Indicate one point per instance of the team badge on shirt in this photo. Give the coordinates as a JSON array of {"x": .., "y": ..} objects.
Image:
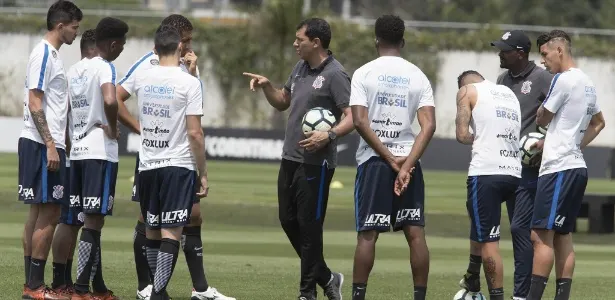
[
  {"x": 55, "y": 55},
  {"x": 154, "y": 62},
  {"x": 318, "y": 82},
  {"x": 526, "y": 87}
]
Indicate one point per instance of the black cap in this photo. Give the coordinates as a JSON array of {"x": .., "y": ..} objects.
[{"x": 514, "y": 40}]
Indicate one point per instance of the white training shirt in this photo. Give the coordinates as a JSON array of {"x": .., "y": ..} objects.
[
  {"x": 496, "y": 123},
  {"x": 146, "y": 62},
  {"x": 392, "y": 89},
  {"x": 166, "y": 96},
  {"x": 45, "y": 72},
  {"x": 572, "y": 98},
  {"x": 86, "y": 78}
]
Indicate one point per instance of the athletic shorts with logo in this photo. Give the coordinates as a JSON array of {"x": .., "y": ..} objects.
[
  {"x": 92, "y": 183},
  {"x": 38, "y": 185},
  {"x": 70, "y": 215},
  {"x": 484, "y": 203},
  {"x": 558, "y": 200},
  {"x": 376, "y": 205},
  {"x": 167, "y": 195},
  {"x": 135, "y": 185}
]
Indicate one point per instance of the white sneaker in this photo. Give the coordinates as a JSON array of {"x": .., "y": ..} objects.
[
  {"x": 518, "y": 298},
  {"x": 210, "y": 294},
  {"x": 145, "y": 293}
]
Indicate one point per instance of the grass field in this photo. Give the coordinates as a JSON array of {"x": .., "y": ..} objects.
[{"x": 247, "y": 255}]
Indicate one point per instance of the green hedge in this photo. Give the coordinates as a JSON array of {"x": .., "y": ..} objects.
[{"x": 264, "y": 45}]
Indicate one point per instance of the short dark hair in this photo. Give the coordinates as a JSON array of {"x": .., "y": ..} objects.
[
  {"x": 167, "y": 40},
  {"x": 179, "y": 22},
  {"x": 109, "y": 28},
  {"x": 466, "y": 73},
  {"x": 542, "y": 39},
  {"x": 88, "y": 39},
  {"x": 554, "y": 34},
  {"x": 317, "y": 28},
  {"x": 63, "y": 12},
  {"x": 390, "y": 29}
]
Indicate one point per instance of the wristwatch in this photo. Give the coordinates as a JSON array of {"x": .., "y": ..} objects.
[{"x": 332, "y": 135}]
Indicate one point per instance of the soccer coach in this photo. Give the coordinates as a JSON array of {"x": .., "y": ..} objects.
[
  {"x": 309, "y": 161},
  {"x": 530, "y": 84}
]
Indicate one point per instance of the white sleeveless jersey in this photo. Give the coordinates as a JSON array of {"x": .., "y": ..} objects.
[{"x": 496, "y": 122}]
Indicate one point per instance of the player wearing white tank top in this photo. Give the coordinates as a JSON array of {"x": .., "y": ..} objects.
[{"x": 493, "y": 113}]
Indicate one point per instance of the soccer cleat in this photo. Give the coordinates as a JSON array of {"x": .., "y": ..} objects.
[
  {"x": 517, "y": 298},
  {"x": 145, "y": 293},
  {"x": 470, "y": 282},
  {"x": 210, "y": 294},
  {"x": 77, "y": 296},
  {"x": 62, "y": 291},
  {"x": 306, "y": 298},
  {"x": 108, "y": 295},
  {"x": 333, "y": 289},
  {"x": 43, "y": 293}
]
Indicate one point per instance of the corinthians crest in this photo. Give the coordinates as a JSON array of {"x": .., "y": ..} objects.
[{"x": 526, "y": 87}]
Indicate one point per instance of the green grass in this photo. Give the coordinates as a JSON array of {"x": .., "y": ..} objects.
[{"x": 247, "y": 255}]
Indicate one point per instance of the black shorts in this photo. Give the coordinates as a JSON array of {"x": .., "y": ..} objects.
[
  {"x": 484, "y": 203},
  {"x": 71, "y": 213},
  {"x": 376, "y": 205},
  {"x": 92, "y": 183},
  {"x": 37, "y": 185},
  {"x": 558, "y": 200},
  {"x": 167, "y": 195}
]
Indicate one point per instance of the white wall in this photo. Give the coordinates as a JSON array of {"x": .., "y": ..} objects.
[
  {"x": 12, "y": 74},
  {"x": 17, "y": 51}
]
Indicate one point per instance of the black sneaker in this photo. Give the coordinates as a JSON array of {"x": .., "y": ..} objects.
[
  {"x": 470, "y": 282},
  {"x": 333, "y": 290}
]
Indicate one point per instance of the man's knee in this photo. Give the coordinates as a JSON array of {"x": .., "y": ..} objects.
[
  {"x": 195, "y": 216},
  {"x": 367, "y": 237},
  {"x": 50, "y": 212},
  {"x": 414, "y": 233},
  {"x": 94, "y": 221}
]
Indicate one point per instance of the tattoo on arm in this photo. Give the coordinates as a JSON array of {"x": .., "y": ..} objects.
[
  {"x": 39, "y": 119},
  {"x": 462, "y": 121},
  {"x": 490, "y": 271}
]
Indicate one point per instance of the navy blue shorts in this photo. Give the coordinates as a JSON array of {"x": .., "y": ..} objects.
[
  {"x": 135, "y": 187},
  {"x": 376, "y": 205},
  {"x": 92, "y": 183},
  {"x": 558, "y": 200},
  {"x": 167, "y": 195},
  {"x": 485, "y": 196},
  {"x": 37, "y": 185},
  {"x": 71, "y": 213}
]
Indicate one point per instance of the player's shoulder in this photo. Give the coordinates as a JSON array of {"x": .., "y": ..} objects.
[
  {"x": 502, "y": 76},
  {"x": 76, "y": 67},
  {"x": 147, "y": 61},
  {"x": 41, "y": 49}
]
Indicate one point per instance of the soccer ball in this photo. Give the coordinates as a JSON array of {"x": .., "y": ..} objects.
[
  {"x": 526, "y": 143},
  {"x": 318, "y": 119},
  {"x": 466, "y": 295},
  {"x": 541, "y": 129}
]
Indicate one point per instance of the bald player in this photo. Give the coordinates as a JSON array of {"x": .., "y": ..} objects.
[{"x": 574, "y": 118}]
